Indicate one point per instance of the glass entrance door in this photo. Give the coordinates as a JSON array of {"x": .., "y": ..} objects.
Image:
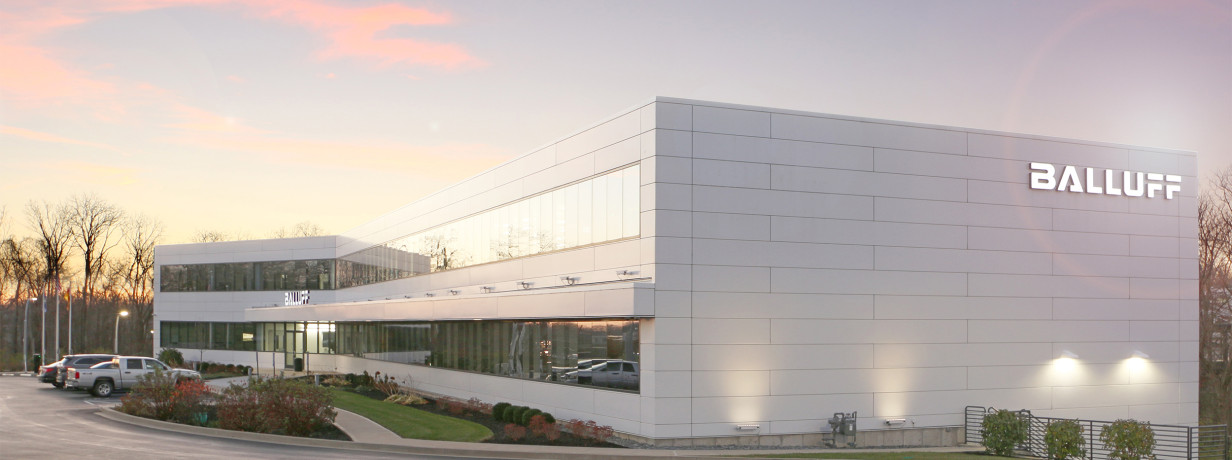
[{"x": 294, "y": 349}]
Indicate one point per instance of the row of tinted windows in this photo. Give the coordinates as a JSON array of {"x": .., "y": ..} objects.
[
  {"x": 600, "y": 209},
  {"x": 538, "y": 350}
]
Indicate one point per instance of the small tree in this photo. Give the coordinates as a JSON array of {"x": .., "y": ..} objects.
[
  {"x": 1003, "y": 430},
  {"x": 171, "y": 357},
  {"x": 1064, "y": 440},
  {"x": 1128, "y": 439}
]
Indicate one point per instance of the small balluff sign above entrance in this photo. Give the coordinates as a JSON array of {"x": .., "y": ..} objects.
[{"x": 1104, "y": 182}]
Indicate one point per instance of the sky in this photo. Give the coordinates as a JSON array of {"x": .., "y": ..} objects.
[{"x": 248, "y": 116}]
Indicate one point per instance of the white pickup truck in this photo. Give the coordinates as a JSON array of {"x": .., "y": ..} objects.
[{"x": 120, "y": 373}]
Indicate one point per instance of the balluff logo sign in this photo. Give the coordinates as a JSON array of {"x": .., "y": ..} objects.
[{"x": 1135, "y": 184}]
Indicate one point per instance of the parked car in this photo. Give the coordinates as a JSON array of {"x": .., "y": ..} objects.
[
  {"x": 121, "y": 373},
  {"x": 81, "y": 361},
  {"x": 612, "y": 373},
  {"x": 47, "y": 373},
  {"x": 582, "y": 373}
]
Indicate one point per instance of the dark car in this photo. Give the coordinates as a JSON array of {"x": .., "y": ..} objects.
[
  {"x": 80, "y": 361},
  {"x": 47, "y": 373}
]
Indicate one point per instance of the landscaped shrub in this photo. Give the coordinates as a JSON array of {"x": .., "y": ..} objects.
[
  {"x": 1128, "y": 439},
  {"x": 159, "y": 396},
  {"x": 513, "y": 414},
  {"x": 240, "y": 409},
  {"x": 1063, "y": 439},
  {"x": 294, "y": 407},
  {"x": 589, "y": 430},
  {"x": 524, "y": 420},
  {"x": 276, "y": 406},
  {"x": 549, "y": 418},
  {"x": 498, "y": 411},
  {"x": 540, "y": 426},
  {"x": 386, "y": 385},
  {"x": 515, "y": 432},
  {"x": 477, "y": 406},
  {"x": 171, "y": 357},
  {"x": 1003, "y": 430}
]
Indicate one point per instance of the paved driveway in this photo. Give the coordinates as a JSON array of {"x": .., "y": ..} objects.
[{"x": 38, "y": 421}]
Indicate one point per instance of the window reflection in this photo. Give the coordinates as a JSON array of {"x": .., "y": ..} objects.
[
  {"x": 603, "y": 208},
  {"x": 597, "y": 352}
]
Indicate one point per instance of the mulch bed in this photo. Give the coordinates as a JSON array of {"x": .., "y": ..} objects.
[{"x": 498, "y": 428}]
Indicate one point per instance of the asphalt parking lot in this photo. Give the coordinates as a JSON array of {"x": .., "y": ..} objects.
[{"x": 40, "y": 421}]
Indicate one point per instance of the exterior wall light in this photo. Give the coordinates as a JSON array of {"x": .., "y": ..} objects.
[
  {"x": 570, "y": 280},
  {"x": 429, "y": 294},
  {"x": 748, "y": 427},
  {"x": 1140, "y": 355},
  {"x": 454, "y": 292},
  {"x": 488, "y": 289},
  {"x": 626, "y": 272},
  {"x": 525, "y": 284},
  {"x": 895, "y": 421},
  {"x": 1069, "y": 354}
]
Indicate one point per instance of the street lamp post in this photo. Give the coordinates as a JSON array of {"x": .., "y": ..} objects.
[
  {"x": 122, "y": 314},
  {"x": 25, "y": 337}
]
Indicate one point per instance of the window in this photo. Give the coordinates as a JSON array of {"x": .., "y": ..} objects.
[{"x": 133, "y": 364}]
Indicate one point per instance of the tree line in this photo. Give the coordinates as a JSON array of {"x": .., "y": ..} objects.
[
  {"x": 84, "y": 252},
  {"x": 1215, "y": 300},
  {"x": 85, "y": 260}
]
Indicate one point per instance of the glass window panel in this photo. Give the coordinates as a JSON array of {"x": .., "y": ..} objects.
[
  {"x": 599, "y": 209},
  {"x": 585, "y": 217},
  {"x": 631, "y": 204},
  {"x": 614, "y": 212}
]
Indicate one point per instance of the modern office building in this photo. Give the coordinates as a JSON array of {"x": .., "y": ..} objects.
[{"x": 700, "y": 272}]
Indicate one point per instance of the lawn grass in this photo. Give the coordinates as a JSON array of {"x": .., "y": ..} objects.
[
  {"x": 883, "y": 455},
  {"x": 410, "y": 422}
]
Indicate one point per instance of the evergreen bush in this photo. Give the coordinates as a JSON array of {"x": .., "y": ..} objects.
[
  {"x": 1063, "y": 439},
  {"x": 524, "y": 419},
  {"x": 1003, "y": 430},
  {"x": 1128, "y": 439},
  {"x": 498, "y": 411}
]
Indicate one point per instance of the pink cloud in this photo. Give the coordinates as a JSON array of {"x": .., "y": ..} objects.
[
  {"x": 33, "y": 73},
  {"x": 353, "y": 32},
  {"x": 47, "y": 137},
  {"x": 234, "y": 79}
]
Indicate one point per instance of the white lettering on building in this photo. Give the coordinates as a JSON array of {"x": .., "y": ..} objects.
[
  {"x": 295, "y": 298},
  {"x": 1128, "y": 183}
]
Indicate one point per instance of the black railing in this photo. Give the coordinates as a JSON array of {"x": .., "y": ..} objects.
[{"x": 1171, "y": 441}]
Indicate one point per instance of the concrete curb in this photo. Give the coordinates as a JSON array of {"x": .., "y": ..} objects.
[{"x": 415, "y": 446}]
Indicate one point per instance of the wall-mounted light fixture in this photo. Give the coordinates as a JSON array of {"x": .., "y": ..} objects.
[
  {"x": 525, "y": 284},
  {"x": 429, "y": 294},
  {"x": 488, "y": 289},
  {"x": 406, "y": 297},
  {"x": 748, "y": 427},
  {"x": 454, "y": 292},
  {"x": 1069, "y": 354},
  {"x": 626, "y": 272},
  {"x": 570, "y": 280},
  {"x": 1141, "y": 355},
  {"x": 895, "y": 421}
]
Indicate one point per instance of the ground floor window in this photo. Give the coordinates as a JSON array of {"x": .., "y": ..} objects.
[{"x": 592, "y": 352}]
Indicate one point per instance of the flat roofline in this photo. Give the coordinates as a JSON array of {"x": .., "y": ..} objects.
[
  {"x": 1069, "y": 140},
  {"x": 705, "y": 103}
]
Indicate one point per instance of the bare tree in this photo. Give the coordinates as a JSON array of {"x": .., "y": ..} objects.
[
  {"x": 302, "y": 229},
  {"x": 1215, "y": 304},
  {"x": 209, "y": 236},
  {"x": 141, "y": 234},
  {"x": 93, "y": 222},
  {"x": 52, "y": 226}
]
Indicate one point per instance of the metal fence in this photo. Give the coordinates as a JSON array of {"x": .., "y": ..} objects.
[{"x": 1171, "y": 441}]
